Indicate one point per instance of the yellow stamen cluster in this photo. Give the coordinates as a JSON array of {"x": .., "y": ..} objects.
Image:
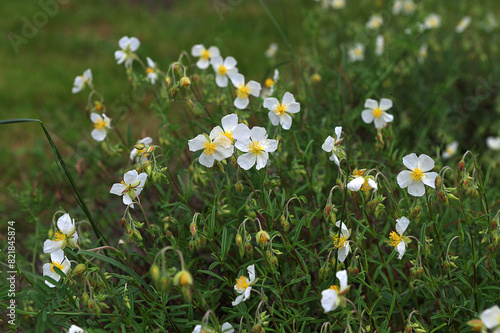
[
  {"x": 269, "y": 83},
  {"x": 366, "y": 187},
  {"x": 222, "y": 70},
  {"x": 229, "y": 135},
  {"x": 242, "y": 283},
  {"x": 59, "y": 236},
  {"x": 100, "y": 124},
  {"x": 336, "y": 288},
  {"x": 243, "y": 91},
  {"x": 205, "y": 54},
  {"x": 280, "y": 109},
  {"x": 417, "y": 174},
  {"x": 395, "y": 239},
  {"x": 57, "y": 264},
  {"x": 339, "y": 241},
  {"x": 209, "y": 148},
  {"x": 255, "y": 147},
  {"x": 149, "y": 70},
  {"x": 433, "y": 22},
  {"x": 377, "y": 112},
  {"x": 358, "y": 52}
]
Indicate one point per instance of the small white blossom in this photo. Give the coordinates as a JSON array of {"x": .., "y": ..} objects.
[
  {"x": 375, "y": 22},
  {"x": 397, "y": 239},
  {"x": 279, "y": 112},
  {"x": 101, "y": 126},
  {"x": 256, "y": 149},
  {"x": 205, "y": 54},
  {"x": 341, "y": 241},
  {"x": 226, "y": 328},
  {"x": 333, "y": 145},
  {"x": 76, "y": 329},
  {"x": 59, "y": 260},
  {"x": 139, "y": 154},
  {"x": 376, "y": 112},
  {"x": 493, "y": 143},
  {"x": 338, "y": 4},
  {"x": 131, "y": 186},
  {"x": 463, "y": 24},
  {"x": 244, "y": 90},
  {"x": 491, "y": 318},
  {"x": 451, "y": 149},
  {"x": 216, "y": 147},
  {"x": 243, "y": 285},
  {"x": 151, "y": 71},
  {"x": 271, "y": 50},
  {"x": 81, "y": 81},
  {"x": 432, "y": 21},
  {"x": 234, "y": 130},
  {"x": 415, "y": 178},
  {"x": 332, "y": 297},
  {"x": 361, "y": 182},
  {"x": 223, "y": 69},
  {"x": 66, "y": 234},
  {"x": 357, "y": 52},
  {"x": 379, "y": 45},
  {"x": 128, "y": 47}
]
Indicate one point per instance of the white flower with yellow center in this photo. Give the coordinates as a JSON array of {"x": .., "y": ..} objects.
[
  {"x": 379, "y": 45},
  {"x": 375, "y": 22},
  {"x": 409, "y": 7},
  {"x": 491, "y": 318},
  {"x": 81, "y": 81},
  {"x": 338, "y": 4},
  {"x": 269, "y": 84},
  {"x": 271, "y": 50},
  {"x": 357, "y": 52},
  {"x": 417, "y": 176},
  {"x": 432, "y": 21},
  {"x": 223, "y": 69},
  {"x": 216, "y": 147},
  {"x": 101, "y": 126},
  {"x": 151, "y": 71},
  {"x": 490, "y": 23},
  {"x": 375, "y": 112},
  {"x": 128, "y": 47},
  {"x": 463, "y": 24},
  {"x": 244, "y": 90},
  {"x": 59, "y": 260},
  {"x": 130, "y": 187},
  {"x": 397, "y": 6},
  {"x": 361, "y": 182},
  {"x": 422, "y": 54},
  {"x": 279, "y": 112},
  {"x": 332, "y": 297},
  {"x": 397, "y": 239},
  {"x": 341, "y": 241},
  {"x": 204, "y": 54},
  {"x": 333, "y": 145},
  {"x": 493, "y": 143},
  {"x": 450, "y": 150},
  {"x": 243, "y": 285},
  {"x": 256, "y": 149},
  {"x": 76, "y": 329},
  {"x": 66, "y": 234},
  {"x": 140, "y": 154},
  {"x": 232, "y": 130},
  {"x": 226, "y": 328}
]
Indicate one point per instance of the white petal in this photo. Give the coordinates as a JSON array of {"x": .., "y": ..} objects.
[
  {"x": 202, "y": 63},
  {"x": 286, "y": 121},
  {"x": 491, "y": 316},
  {"x": 50, "y": 246},
  {"x": 416, "y": 189},
  {"x": 329, "y": 300},
  {"x": 425, "y": 162},
  {"x": 261, "y": 160},
  {"x": 328, "y": 144},
  {"x": 404, "y": 179},
  {"x": 197, "y": 50},
  {"x": 343, "y": 252},
  {"x": 270, "y": 146},
  {"x": 230, "y": 62},
  {"x": 216, "y": 132},
  {"x": 385, "y": 104},
  {"x": 258, "y": 134},
  {"x": 402, "y": 224},
  {"x": 127, "y": 200},
  {"x": 241, "y": 103},
  {"x": 342, "y": 276},
  {"x": 371, "y": 104},
  {"x": 246, "y": 161},
  {"x": 221, "y": 80},
  {"x": 387, "y": 117},
  {"x": 273, "y": 117},
  {"x": 411, "y": 161},
  {"x": 134, "y": 44},
  {"x": 238, "y": 300},
  {"x": 246, "y": 294},
  {"x": 214, "y": 51},
  {"x": 130, "y": 176},
  {"x": 227, "y": 328},
  {"x": 251, "y": 273},
  {"x": 98, "y": 135},
  {"x": 338, "y": 132},
  {"x": 270, "y": 103},
  {"x": 241, "y": 132},
  {"x": 117, "y": 189},
  {"x": 206, "y": 160},
  {"x": 293, "y": 107},
  {"x": 367, "y": 116},
  {"x": 372, "y": 183},
  {"x": 237, "y": 79},
  {"x": 123, "y": 42},
  {"x": 401, "y": 248},
  {"x": 229, "y": 122},
  {"x": 243, "y": 144},
  {"x": 379, "y": 122},
  {"x": 355, "y": 184},
  {"x": 197, "y": 143},
  {"x": 94, "y": 117},
  {"x": 255, "y": 88},
  {"x": 288, "y": 98},
  {"x": 216, "y": 62},
  {"x": 429, "y": 179},
  {"x": 335, "y": 159},
  {"x": 65, "y": 224}
]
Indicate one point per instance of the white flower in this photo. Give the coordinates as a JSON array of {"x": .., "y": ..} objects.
[
  {"x": 422, "y": 54},
  {"x": 128, "y": 47},
  {"x": 376, "y": 112},
  {"x": 215, "y": 147},
  {"x": 451, "y": 149},
  {"x": 490, "y": 23},
  {"x": 232, "y": 130},
  {"x": 397, "y": 6},
  {"x": 379, "y": 45},
  {"x": 357, "y": 52},
  {"x": 205, "y": 55},
  {"x": 138, "y": 154},
  {"x": 397, "y": 239},
  {"x": 101, "y": 126},
  {"x": 432, "y": 21},
  {"x": 243, "y": 286},
  {"x": 338, "y": 4},
  {"x": 331, "y": 298},
  {"x": 65, "y": 235},
  {"x": 491, "y": 318},
  {"x": 223, "y": 69},
  {"x": 333, "y": 145},
  {"x": 341, "y": 241},
  {"x": 76, "y": 329},
  {"x": 256, "y": 149},
  {"x": 375, "y": 22},
  {"x": 81, "y": 81},
  {"x": 226, "y": 328},
  {"x": 268, "y": 89},
  {"x": 409, "y": 7},
  {"x": 463, "y": 24},
  {"x": 59, "y": 260},
  {"x": 130, "y": 187},
  {"x": 271, "y": 50},
  {"x": 151, "y": 71},
  {"x": 493, "y": 143},
  {"x": 244, "y": 90},
  {"x": 361, "y": 182},
  {"x": 418, "y": 175},
  {"x": 278, "y": 112}
]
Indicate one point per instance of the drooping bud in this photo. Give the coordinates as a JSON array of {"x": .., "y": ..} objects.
[
  {"x": 79, "y": 269},
  {"x": 262, "y": 238},
  {"x": 155, "y": 272},
  {"x": 438, "y": 182},
  {"x": 461, "y": 165},
  {"x": 183, "y": 278},
  {"x": 193, "y": 228},
  {"x": 239, "y": 240},
  {"x": 238, "y": 186},
  {"x": 185, "y": 82}
]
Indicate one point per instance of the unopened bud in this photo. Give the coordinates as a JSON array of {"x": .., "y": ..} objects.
[
  {"x": 185, "y": 82},
  {"x": 461, "y": 165},
  {"x": 183, "y": 278},
  {"x": 79, "y": 269},
  {"x": 140, "y": 146},
  {"x": 262, "y": 237},
  {"x": 187, "y": 294},
  {"x": 316, "y": 78},
  {"x": 50, "y": 234},
  {"x": 167, "y": 81},
  {"x": 239, "y": 240},
  {"x": 238, "y": 186},
  {"x": 85, "y": 299},
  {"x": 193, "y": 228},
  {"x": 155, "y": 272},
  {"x": 249, "y": 249},
  {"x": 438, "y": 182}
]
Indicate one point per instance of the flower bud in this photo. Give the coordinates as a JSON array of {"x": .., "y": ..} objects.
[
  {"x": 316, "y": 78},
  {"x": 249, "y": 249},
  {"x": 85, "y": 299},
  {"x": 79, "y": 269},
  {"x": 167, "y": 81},
  {"x": 438, "y": 182},
  {"x": 262, "y": 238},
  {"x": 185, "y": 82},
  {"x": 50, "y": 234},
  {"x": 239, "y": 240},
  {"x": 461, "y": 165},
  {"x": 140, "y": 146},
  {"x": 238, "y": 186},
  {"x": 183, "y": 278},
  {"x": 155, "y": 272},
  {"x": 193, "y": 228},
  {"x": 187, "y": 294},
  {"x": 258, "y": 328}
]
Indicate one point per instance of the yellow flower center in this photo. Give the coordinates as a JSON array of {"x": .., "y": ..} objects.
[
  {"x": 185, "y": 279},
  {"x": 376, "y": 23},
  {"x": 395, "y": 239},
  {"x": 359, "y": 172},
  {"x": 140, "y": 151},
  {"x": 100, "y": 124},
  {"x": 450, "y": 151},
  {"x": 149, "y": 70},
  {"x": 417, "y": 174},
  {"x": 336, "y": 288},
  {"x": 316, "y": 78},
  {"x": 242, "y": 283},
  {"x": 243, "y": 91},
  {"x": 280, "y": 109},
  {"x": 377, "y": 112},
  {"x": 409, "y": 6},
  {"x": 229, "y": 135},
  {"x": 269, "y": 83},
  {"x": 209, "y": 148},
  {"x": 129, "y": 188},
  {"x": 366, "y": 187},
  {"x": 57, "y": 264},
  {"x": 358, "y": 52},
  {"x": 255, "y": 147},
  {"x": 205, "y": 54},
  {"x": 59, "y": 236},
  {"x": 222, "y": 70},
  {"x": 339, "y": 241},
  {"x": 98, "y": 106},
  {"x": 264, "y": 237},
  {"x": 432, "y": 22}
]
